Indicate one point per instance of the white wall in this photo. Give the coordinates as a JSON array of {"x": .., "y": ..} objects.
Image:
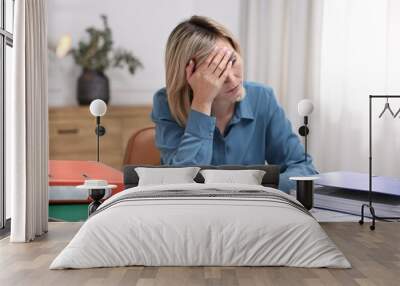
[{"x": 140, "y": 26}]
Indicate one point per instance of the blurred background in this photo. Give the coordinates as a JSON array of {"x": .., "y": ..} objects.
[
  {"x": 140, "y": 26},
  {"x": 334, "y": 52}
]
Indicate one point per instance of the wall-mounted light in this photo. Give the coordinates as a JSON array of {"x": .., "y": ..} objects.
[
  {"x": 98, "y": 108},
  {"x": 305, "y": 108}
]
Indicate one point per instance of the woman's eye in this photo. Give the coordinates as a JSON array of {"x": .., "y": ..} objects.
[{"x": 233, "y": 58}]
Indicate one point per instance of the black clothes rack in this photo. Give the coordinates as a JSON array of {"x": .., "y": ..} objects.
[{"x": 369, "y": 205}]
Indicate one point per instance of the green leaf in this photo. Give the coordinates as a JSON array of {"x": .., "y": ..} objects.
[{"x": 96, "y": 53}]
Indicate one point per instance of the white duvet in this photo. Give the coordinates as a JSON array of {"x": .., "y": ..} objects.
[{"x": 185, "y": 231}]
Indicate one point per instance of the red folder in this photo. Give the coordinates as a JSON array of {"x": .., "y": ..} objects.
[{"x": 64, "y": 176}]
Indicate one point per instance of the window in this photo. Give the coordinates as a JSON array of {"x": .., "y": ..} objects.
[{"x": 6, "y": 43}]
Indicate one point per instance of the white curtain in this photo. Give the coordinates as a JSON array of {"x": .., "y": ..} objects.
[
  {"x": 360, "y": 56},
  {"x": 336, "y": 53},
  {"x": 27, "y": 123},
  {"x": 281, "y": 48}
]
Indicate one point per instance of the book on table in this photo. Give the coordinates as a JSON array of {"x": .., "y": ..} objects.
[
  {"x": 64, "y": 176},
  {"x": 347, "y": 191}
]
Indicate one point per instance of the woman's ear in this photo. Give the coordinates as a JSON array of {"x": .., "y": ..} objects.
[{"x": 190, "y": 69}]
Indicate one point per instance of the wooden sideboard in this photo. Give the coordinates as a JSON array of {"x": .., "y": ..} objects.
[{"x": 72, "y": 132}]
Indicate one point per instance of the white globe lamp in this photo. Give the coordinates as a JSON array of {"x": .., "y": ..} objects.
[{"x": 98, "y": 108}]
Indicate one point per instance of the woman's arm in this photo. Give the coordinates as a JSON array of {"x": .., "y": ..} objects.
[
  {"x": 283, "y": 147},
  {"x": 191, "y": 145}
]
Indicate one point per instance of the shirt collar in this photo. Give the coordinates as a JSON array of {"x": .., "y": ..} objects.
[{"x": 243, "y": 110}]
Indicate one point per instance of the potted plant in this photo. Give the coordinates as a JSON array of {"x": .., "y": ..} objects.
[{"x": 95, "y": 56}]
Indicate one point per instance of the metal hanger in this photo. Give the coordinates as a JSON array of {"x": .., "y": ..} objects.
[
  {"x": 397, "y": 113},
  {"x": 387, "y": 107}
]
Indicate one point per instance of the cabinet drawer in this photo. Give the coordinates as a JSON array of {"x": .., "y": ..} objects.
[
  {"x": 71, "y": 136},
  {"x": 72, "y": 132}
]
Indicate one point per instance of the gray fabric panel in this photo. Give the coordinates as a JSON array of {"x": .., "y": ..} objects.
[{"x": 270, "y": 179}]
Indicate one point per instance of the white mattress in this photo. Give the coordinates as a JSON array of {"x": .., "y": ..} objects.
[{"x": 189, "y": 231}]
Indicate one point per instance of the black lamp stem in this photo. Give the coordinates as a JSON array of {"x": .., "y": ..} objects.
[
  {"x": 305, "y": 138},
  {"x": 98, "y": 137}
]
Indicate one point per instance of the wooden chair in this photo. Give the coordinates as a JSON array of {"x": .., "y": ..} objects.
[{"x": 141, "y": 148}]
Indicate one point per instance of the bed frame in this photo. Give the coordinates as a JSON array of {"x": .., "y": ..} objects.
[{"x": 270, "y": 179}]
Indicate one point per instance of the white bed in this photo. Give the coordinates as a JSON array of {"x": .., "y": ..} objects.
[{"x": 245, "y": 225}]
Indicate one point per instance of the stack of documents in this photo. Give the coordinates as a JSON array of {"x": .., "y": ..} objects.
[{"x": 350, "y": 201}]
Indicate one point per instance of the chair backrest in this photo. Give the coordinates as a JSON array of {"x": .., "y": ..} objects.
[{"x": 141, "y": 148}]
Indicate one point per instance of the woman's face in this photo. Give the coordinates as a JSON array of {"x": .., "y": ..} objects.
[{"x": 232, "y": 89}]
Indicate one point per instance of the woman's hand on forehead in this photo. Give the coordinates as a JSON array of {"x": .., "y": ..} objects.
[
  {"x": 207, "y": 79},
  {"x": 217, "y": 59}
]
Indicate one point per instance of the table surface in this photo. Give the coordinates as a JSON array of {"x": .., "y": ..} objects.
[{"x": 359, "y": 182}]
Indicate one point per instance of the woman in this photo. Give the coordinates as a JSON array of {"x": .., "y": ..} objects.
[{"x": 207, "y": 115}]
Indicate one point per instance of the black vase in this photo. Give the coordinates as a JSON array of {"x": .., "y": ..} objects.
[{"x": 93, "y": 85}]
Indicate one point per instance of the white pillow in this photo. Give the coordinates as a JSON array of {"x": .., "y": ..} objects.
[
  {"x": 249, "y": 177},
  {"x": 163, "y": 176}
]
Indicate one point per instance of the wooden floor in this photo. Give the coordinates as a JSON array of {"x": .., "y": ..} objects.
[{"x": 375, "y": 257}]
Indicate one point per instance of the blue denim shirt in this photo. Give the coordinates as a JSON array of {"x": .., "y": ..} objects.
[{"x": 258, "y": 133}]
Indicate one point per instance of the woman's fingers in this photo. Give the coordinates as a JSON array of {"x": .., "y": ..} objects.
[
  {"x": 210, "y": 58},
  {"x": 223, "y": 63},
  {"x": 215, "y": 63},
  {"x": 226, "y": 70}
]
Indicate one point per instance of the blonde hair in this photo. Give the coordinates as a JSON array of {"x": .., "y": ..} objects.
[{"x": 191, "y": 39}]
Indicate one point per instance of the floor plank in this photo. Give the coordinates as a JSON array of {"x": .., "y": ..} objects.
[{"x": 375, "y": 257}]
